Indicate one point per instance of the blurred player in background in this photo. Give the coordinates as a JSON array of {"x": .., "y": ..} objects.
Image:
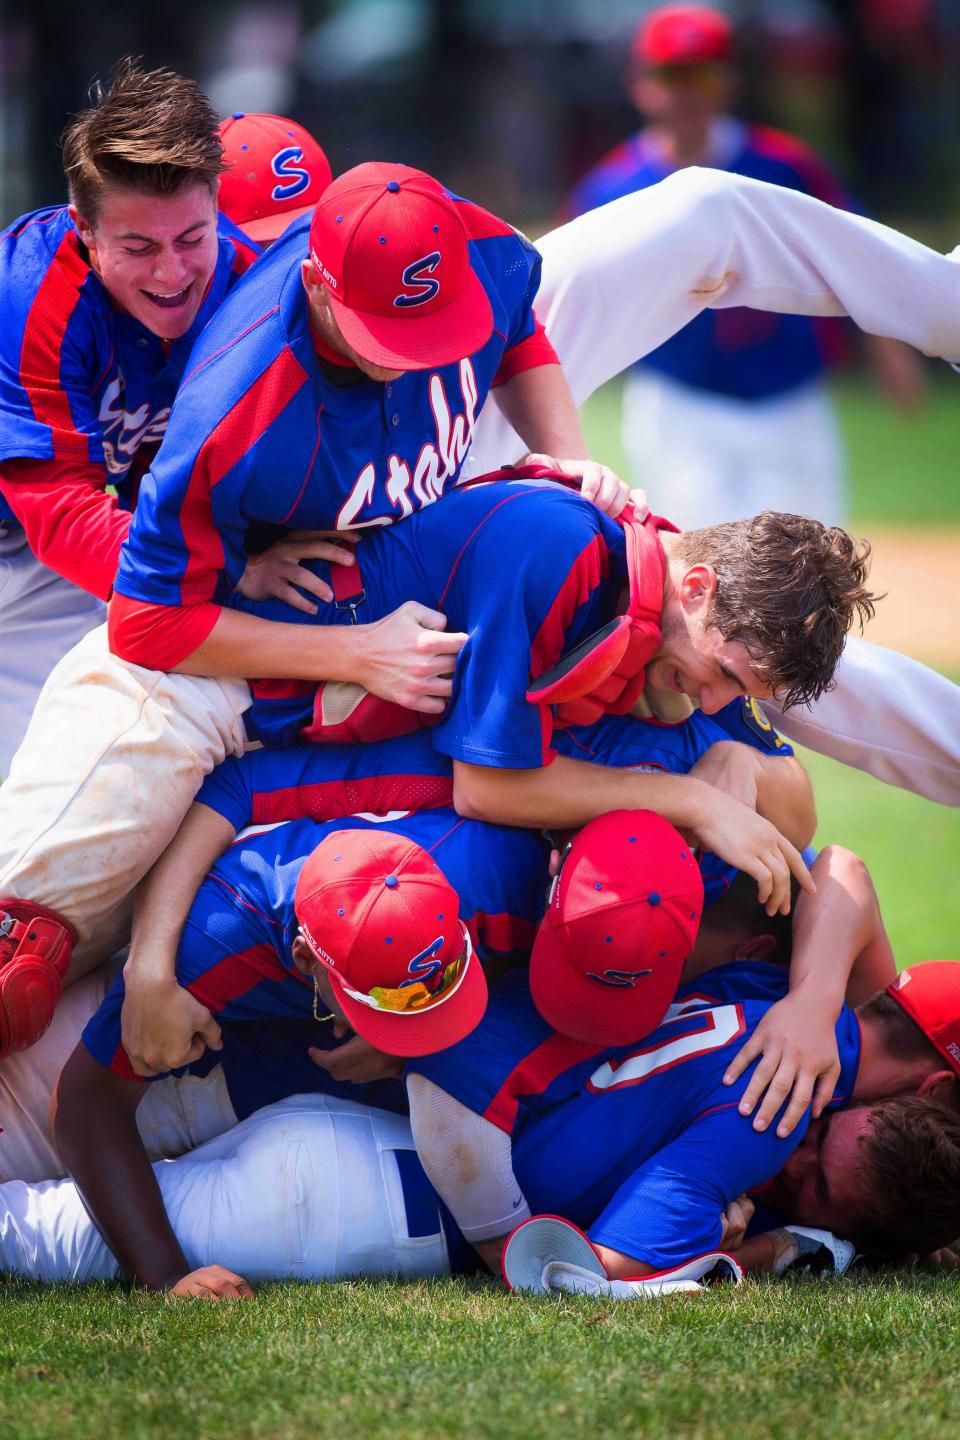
[{"x": 731, "y": 415}]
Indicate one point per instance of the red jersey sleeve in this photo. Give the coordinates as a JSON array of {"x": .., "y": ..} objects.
[
  {"x": 527, "y": 354},
  {"x": 157, "y": 636},
  {"x": 71, "y": 523}
]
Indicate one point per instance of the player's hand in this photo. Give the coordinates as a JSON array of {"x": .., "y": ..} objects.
[
  {"x": 163, "y": 1027},
  {"x": 734, "y": 1220},
  {"x": 732, "y": 768},
  {"x": 409, "y": 657},
  {"x": 357, "y": 1061},
  {"x": 598, "y": 483},
  {"x": 744, "y": 839},
  {"x": 797, "y": 1043},
  {"x": 211, "y": 1282},
  {"x": 275, "y": 574}
]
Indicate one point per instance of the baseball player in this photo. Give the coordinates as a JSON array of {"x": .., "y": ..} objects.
[
  {"x": 550, "y": 1103},
  {"x": 351, "y": 1198},
  {"x": 732, "y": 408},
  {"x": 103, "y": 300}
]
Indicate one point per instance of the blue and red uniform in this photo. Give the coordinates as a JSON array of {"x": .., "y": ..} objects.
[
  {"x": 85, "y": 390},
  {"x": 272, "y": 427},
  {"x": 642, "y": 1146},
  {"x": 559, "y": 562},
  {"x": 322, "y": 782},
  {"x": 740, "y": 353},
  {"x": 235, "y": 950}
]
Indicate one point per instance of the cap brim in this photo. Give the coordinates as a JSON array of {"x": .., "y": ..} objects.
[
  {"x": 270, "y": 227},
  {"x": 537, "y": 1242},
  {"x": 433, "y": 1029},
  {"x": 412, "y": 342},
  {"x": 594, "y": 1014}
]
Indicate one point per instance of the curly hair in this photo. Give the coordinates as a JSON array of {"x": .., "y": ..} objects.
[
  {"x": 788, "y": 589},
  {"x": 148, "y": 130}
]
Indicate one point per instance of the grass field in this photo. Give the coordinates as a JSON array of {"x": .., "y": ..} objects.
[{"x": 873, "y": 1357}]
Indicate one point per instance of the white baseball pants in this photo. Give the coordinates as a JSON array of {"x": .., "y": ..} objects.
[
  {"x": 41, "y": 617},
  {"x": 310, "y": 1188},
  {"x": 111, "y": 760},
  {"x": 176, "y": 1114}
]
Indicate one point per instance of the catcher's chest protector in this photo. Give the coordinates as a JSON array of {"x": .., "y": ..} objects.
[{"x": 35, "y": 948}]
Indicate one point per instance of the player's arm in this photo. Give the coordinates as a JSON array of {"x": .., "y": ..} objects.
[
  {"x": 539, "y": 404},
  {"x": 72, "y": 525},
  {"x": 777, "y": 787},
  {"x": 840, "y": 950},
  {"x": 163, "y": 1025},
  {"x": 95, "y": 1131},
  {"x": 468, "y": 1161},
  {"x": 568, "y": 793}
]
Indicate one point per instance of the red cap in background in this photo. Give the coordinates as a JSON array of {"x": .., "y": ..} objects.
[
  {"x": 275, "y": 173},
  {"x": 622, "y": 918},
  {"x": 684, "y": 35},
  {"x": 393, "y": 252}
]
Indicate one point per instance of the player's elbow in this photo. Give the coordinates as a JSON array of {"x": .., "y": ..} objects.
[{"x": 478, "y": 793}]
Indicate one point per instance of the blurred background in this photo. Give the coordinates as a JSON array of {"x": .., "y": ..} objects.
[{"x": 512, "y": 103}]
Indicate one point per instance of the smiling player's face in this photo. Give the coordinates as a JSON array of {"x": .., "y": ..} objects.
[
  {"x": 155, "y": 255},
  {"x": 694, "y": 659}
]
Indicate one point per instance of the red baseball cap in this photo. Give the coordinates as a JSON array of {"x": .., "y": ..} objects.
[
  {"x": 275, "y": 173},
  {"x": 930, "y": 994},
  {"x": 377, "y": 912},
  {"x": 622, "y": 917},
  {"x": 684, "y": 35},
  {"x": 391, "y": 248}
]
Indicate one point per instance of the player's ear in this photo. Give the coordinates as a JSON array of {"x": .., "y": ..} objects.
[
  {"x": 697, "y": 587},
  {"x": 83, "y": 225},
  {"x": 941, "y": 1085},
  {"x": 304, "y": 960}
]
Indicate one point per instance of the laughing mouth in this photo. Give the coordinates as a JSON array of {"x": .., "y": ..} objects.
[{"x": 168, "y": 302}]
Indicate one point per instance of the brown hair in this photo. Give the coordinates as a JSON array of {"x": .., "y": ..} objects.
[
  {"x": 910, "y": 1162},
  {"x": 788, "y": 588},
  {"x": 149, "y": 130}
]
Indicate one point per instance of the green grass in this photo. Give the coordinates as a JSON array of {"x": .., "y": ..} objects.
[
  {"x": 901, "y": 470},
  {"x": 872, "y": 1357}
]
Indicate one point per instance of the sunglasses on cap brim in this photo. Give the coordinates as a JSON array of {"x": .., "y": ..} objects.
[{"x": 412, "y": 997}]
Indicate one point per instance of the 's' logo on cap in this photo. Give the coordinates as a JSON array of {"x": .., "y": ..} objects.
[
  {"x": 618, "y": 979},
  {"x": 425, "y": 967},
  {"x": 420, "y": 273},
  {"x": 287, "y": 165}
]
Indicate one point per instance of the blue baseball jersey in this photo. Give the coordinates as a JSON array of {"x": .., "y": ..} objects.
[
  {"x": 641, "y": 1145},
  {"x": 525, "y": 567},
  {"x": 742, "y": 353},
  {"x": 235, "y": 950},
  {"x": 81, "y": 380},
  {"x": 267, "y": 430},
  {"x": 322, "y": 782}
]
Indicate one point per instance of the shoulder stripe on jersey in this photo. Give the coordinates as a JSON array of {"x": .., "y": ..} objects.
[
  {"x": 504, "y": 933},
  {"x": 236, "y": 434},
  {"x": 238, "y": 974},
  {"x": 534, "y": 1074},
  {"x": 590, "y": 567},
  {"x": 234, "y": 340},
  {"x": 481, "y": 224},
  {"x": 47, "y": 321}
]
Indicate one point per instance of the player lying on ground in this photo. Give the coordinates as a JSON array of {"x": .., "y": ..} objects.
[
  {"x": 736, "y": 752},
  {"x": 81, "y": 848},
  {"x": 649, "y": 1180}
]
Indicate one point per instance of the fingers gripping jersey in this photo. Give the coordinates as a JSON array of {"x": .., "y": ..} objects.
[
  {"x": 265, "y": 430},
  {"x": 81, "y": 381},
  {"x": 642, "y": 1144},
  {"x": 235, "y": 951}
]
